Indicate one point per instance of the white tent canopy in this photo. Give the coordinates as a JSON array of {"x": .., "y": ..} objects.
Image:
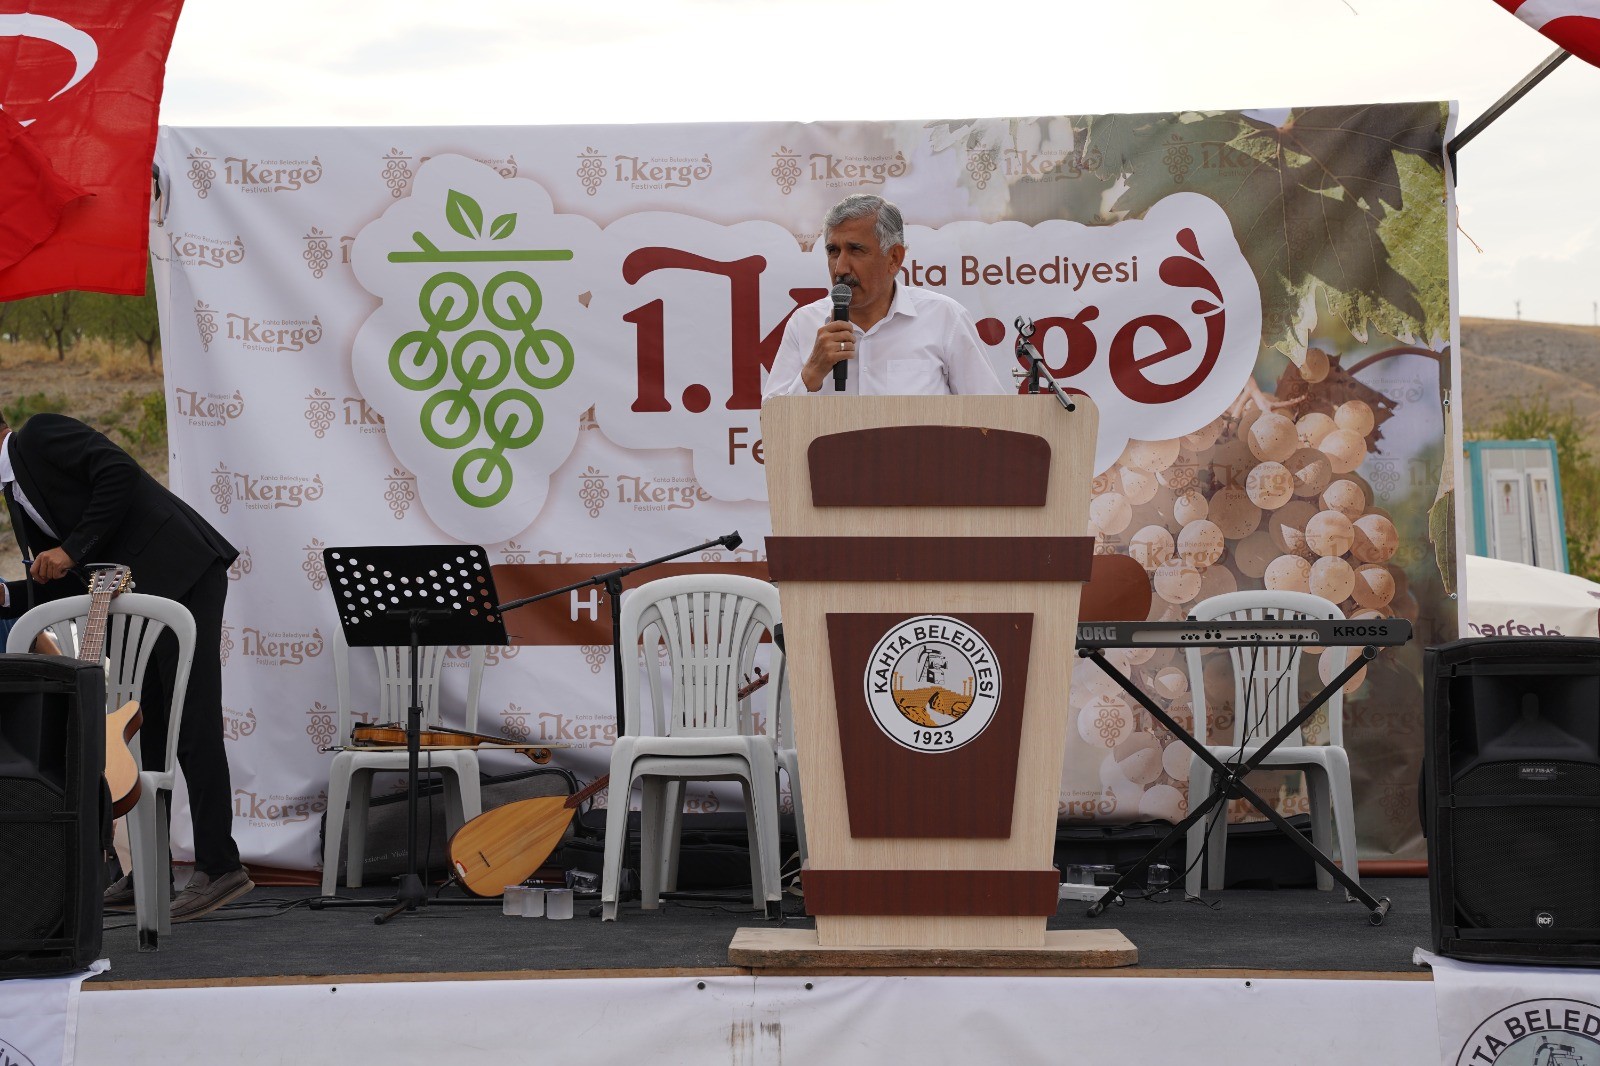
[{"x": 1507, "y": 599}]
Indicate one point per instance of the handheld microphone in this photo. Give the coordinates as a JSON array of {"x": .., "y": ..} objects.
[{"x": 841, "y": 313}]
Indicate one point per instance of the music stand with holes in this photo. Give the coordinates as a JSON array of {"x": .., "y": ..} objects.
[{"x": 389, "y": 595}]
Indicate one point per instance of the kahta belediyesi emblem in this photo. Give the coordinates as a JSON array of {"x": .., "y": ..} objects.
[
  {"x": 932, "y": 683},
  {"x": 1536, "y": 1032}
]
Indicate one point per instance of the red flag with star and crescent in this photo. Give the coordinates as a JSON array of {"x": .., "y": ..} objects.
[
  {"x": 1572, "y": 24},
  {"x": 80, "y": 90}
]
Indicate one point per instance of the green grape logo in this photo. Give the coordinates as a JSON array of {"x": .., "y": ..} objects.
[{"x": 482, "y": 391}]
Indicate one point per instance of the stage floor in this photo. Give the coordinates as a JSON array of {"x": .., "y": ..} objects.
[{"x": 273, "y": 934}]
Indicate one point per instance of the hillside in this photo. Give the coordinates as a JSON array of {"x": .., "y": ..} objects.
[{"x": 1505, "y": 360}]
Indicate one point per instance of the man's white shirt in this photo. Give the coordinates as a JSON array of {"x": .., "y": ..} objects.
[
  {"x": 8, "y": 479},
  {"x": 8, "y": 476},
  {"x": 925, "y": 346}
]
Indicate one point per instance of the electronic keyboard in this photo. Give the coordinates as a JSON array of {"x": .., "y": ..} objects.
[{"x": 1321, "y": 632}]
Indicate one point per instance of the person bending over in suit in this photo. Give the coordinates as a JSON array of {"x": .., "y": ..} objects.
[{"x": 75, "y": 497}]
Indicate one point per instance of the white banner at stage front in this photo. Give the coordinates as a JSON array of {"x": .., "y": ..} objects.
[
  {"x": 1492, "y": 1015},
  {"x": 39, "y": 1019},
  {"x": 691, "y": 1020},
  {"x": 552, "y": 341}
]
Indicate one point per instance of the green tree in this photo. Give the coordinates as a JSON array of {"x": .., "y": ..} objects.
[
  {"x": 123, "y": 320},
  {"x": 10, "y": 320},
  {"x": 138, "y": 321},
  {"x": 50, "y": 320},
  {"x": 94, "y": 315},
  {"x": 1535, "y": 419}
]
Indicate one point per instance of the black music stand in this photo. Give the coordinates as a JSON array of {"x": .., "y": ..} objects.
[
  {"x": 1228, "y": 780},
  {"x": 388, "y": 595}
]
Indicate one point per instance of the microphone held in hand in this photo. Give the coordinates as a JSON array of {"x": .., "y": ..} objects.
[{"x": 841, "y": 313}]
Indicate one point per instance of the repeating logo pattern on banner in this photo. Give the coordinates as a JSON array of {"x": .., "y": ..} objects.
[{"x": 932, "y": 683}]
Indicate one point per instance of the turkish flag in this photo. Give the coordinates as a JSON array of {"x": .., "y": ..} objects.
[
  {"x": 32, "y": 194},
  {"x": 1572, "y": 24},
  {"x": 80, "y": 81}
]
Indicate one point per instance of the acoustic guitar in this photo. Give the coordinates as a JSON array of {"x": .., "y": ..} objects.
[
  {"x": 122, "y": 770},
  {"x": 504, "y": 846}
]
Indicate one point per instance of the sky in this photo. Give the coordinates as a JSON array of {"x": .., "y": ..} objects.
[{"x": 1529, "y": 240}]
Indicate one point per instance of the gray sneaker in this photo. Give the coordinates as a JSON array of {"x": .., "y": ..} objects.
[{"x": 205, "y": 894}]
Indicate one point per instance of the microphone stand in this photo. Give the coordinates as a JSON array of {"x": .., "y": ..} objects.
[
  {"x": 1036, "y": 367},
  {"x": 612, "y": 580}
]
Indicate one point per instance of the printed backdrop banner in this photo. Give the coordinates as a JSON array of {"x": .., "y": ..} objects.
[{"x": 552, "y": 341}]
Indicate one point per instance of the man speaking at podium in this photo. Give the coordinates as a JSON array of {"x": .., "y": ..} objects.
[{"x": 874, "y": 336}]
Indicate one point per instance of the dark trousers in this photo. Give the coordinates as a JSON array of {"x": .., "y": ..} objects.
[{"x": 202, "y": 753}]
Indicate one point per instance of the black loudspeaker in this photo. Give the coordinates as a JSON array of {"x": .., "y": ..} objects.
[
  {"x": 1512, "y": 799},
  {"x": 52, "y": 759}
]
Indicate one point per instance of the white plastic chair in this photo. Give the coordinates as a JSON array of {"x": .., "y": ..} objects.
[
  {"x": 350, "y": 776},
  {"x": 1266, "y": 694},
  {"x": 783, "y": 739},
  {"x": 711, "y": 625},
  {"x": 133, "y": 624}
]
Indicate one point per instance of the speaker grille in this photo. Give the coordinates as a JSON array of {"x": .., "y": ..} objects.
[
  {"x": 34, "y": 873},
  {"x": 1528, "y": 865}
]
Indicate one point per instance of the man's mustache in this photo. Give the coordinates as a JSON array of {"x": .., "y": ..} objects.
[{"x": 847, "y": 279}]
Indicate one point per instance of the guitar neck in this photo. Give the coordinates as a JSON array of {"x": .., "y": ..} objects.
[
  {"x": 92, "y": 646},
  {"x": 106, "y": 584}
]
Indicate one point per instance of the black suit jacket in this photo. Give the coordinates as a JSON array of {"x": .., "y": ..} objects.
[{"x": 106, "y": 509}]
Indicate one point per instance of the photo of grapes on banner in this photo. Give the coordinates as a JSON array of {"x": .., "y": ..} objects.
[{"x": 1329, "y": 472}]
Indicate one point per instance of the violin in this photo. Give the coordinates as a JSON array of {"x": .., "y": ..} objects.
[{"x": 393, "y": 735}]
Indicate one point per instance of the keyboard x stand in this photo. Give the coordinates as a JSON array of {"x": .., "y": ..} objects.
[{"x": 1228, "y": 781}]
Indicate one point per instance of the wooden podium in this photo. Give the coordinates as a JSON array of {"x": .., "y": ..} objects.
[{"x": 929, "y": 553}]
